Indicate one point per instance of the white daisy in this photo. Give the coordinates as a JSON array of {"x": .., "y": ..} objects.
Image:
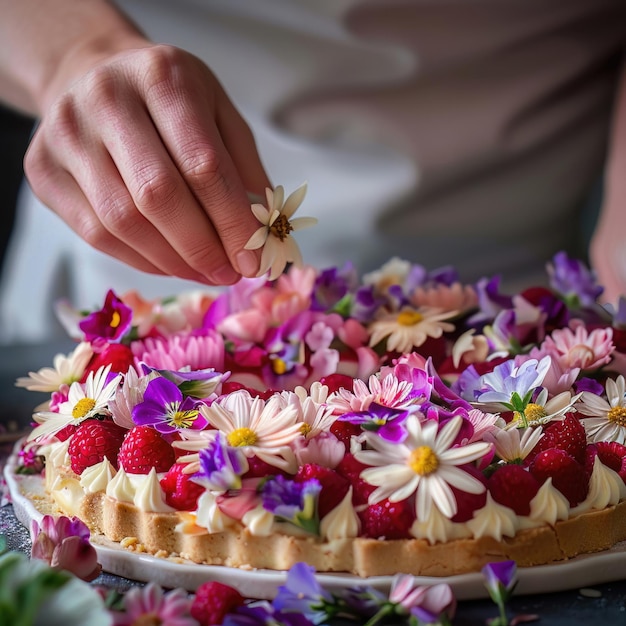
[
  {"x": 542, "y": 410},
  {"x": 410, "y": 328},
  {"x": 514, "y": 445},
  {"x": 279, "y": 247},
  {"x": 606, "y": 419},
  {"x": 83, "y": 402},
  {"x": 424, "y": 464},
  {"x": 67, "y": 370},
  {"x": 260, "y": 428}
]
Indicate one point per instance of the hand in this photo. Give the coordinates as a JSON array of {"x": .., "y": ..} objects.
[
  {"x": 608, "y": 258},
  {"x": 145, "y": 157}
]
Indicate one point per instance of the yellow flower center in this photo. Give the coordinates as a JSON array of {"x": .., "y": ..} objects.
[
  {"x": 82, "y": 407},
  {"x": 279, "y": 366},
  {"x": 115, "y": 320},
  {"x": 242, "y": 437},
  {"x": 305, "y": 429},
  {"x": 409, "y": 318},
  {"x": 184, "y": 419},
  {"x": 618, "y": 415},
  {"x": 423, "y": 461},
  {"x": 533, "y": 412},
  {"x": 281, "y": 227}
]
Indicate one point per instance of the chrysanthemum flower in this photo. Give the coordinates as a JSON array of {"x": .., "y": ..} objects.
[
  {"x": 425, "y": 464},
  {"x": 67, "y": 370},
  {"x": 606, "y": 419},
  {"x": 279, "y": 247},
  {"x": 410, "y": 327},
  {"x": 83, "y": 402}
]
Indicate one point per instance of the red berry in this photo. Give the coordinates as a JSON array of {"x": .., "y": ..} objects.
[
  {"x": 344, "y": 431},
  {"x": 180, "y": 491},
  {"x": 213, "y": 601},
  {"x": 94, "y": 440},
  {"x": 351, "y": 469},
  {"x": 66, "y": 433},
  {"x": 335, "y": 382},
  {"x": 567, "y": 435},
  {"x": 258, "y": 468},
  {"x": 466, "y": 502},
  {"x": 144, "y": 448},
  {"x": 391, "y": 520},
  {"x": 118, "y": 355},
  {"x": 568, "y": 475},
  {"x": 334, "y": 486},
  {"x": 513, "y": 486},
  {"x": 611, "y": 453}
]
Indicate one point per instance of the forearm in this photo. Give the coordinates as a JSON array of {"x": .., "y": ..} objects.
[{"x": 44, "y": 45}]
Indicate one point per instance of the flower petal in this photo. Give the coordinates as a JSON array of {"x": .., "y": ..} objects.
[{"x": 294, "y": 201}]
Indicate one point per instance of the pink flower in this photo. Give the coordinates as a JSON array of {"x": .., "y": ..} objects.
[
  {"x": 64, "y": 544},
  {"x": 149, "y": 605},
  {"x": 577, "y": 347}
]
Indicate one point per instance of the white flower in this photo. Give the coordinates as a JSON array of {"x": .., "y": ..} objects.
[
  {"x": 83, "y": 402},
  {"x": 67, "y": 370},
  {"x": 542, "y": 410},
  {"x": 607, "y": 418},
  {"x": 410, "y": 328},
  {"x": 424, "y": 463},
  {"x": 514, "y": 445},
  {"x": 279, "y": 247}
]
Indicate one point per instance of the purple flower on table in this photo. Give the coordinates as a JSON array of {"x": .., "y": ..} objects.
[
  {"x": 150, "y": 605},
  {"x": 166, "y": 409},
  {"x": 437, "y": 606},
  {"x": 500, "y": 578},
  {"x": 386, "y": 421},
  {"x": 63, "y": 543},
  {"x": 573, "y": 280},
  {"x": 291, "y": 501},
  {"x": 199, "y": 384},
  {"x": 264, "y": 614},
  {"x": 221, "y": 466},
  {"x": 303, "y": 594},
  {"x": 111, "y": 323}
]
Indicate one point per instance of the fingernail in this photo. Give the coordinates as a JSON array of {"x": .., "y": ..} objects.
[
  {"x": 247, "y": 262},
  {"x": 225, "y": 275}
]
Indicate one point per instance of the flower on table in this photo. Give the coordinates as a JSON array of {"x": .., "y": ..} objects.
[
  {"x": 425, "y": 463},
  {"x": 605, "y": 420},
  {"x": 500, "y": 582},
  {"x": 110, "y": 323},
  {"x": 67, "y": 370},
  {"x": 83, "y": 402},
  {"x": 150, "y": 605},
  {"x": 410, "y": 328},
  {"x": 63, "y": 543},
  {"x": 279, "y": 247},
  {"x": 291, "y": 501},
  {"x": 166, "y": 409}
]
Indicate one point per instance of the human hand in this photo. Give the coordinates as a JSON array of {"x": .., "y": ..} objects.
[
  {"x": 608, "y": 259},
  {"x": 144, "y": 156}
]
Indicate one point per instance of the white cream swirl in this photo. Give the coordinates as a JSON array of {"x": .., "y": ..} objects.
[
  {"x": 149, "y": 495},
  {"x": 606, "y": 487},
  {"x": 121, "y": 488},
  {"x": 97, "y": 477},
  {"x": 438, "y": 528},
  {"x": 259, "y": 521},
  {"x": 57, "y": 454},
  {"x": 547, "y": 507},
  {"x": 210, "y": 516},
  {"x": 342, "y": 522},
  {"x": 493, "y": 520}
]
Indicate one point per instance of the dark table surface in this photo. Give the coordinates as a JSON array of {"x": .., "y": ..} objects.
[{"x": 604, "y": 604}]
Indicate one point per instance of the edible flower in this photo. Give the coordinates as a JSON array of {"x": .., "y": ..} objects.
[
  {"x": 110, "y": 323},
  {"x": 291, "y": 501}
]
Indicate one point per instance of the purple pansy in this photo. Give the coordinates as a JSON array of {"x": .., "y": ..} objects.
[
  {"x": 292, "y": 501},
  {"x": 573, "y": 280},
  {"x": 198, "y": 384},
  {"x": 500, "y": 579},
  {"x": 264, "y": 614},
  {"x": 387, "y": 422},
  {"x": 110, "y": 323},
  {"x": 166, "y": 408},
  {"x": 221, "y": 466}
]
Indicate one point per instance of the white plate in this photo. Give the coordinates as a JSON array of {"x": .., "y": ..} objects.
[{"x": 582, "y": 571}]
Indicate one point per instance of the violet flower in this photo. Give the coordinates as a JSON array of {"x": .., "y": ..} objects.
[
  {"x": 63, "y": 543},
  {"x": 166, "y": 409},
  {"x": 302, "y": 594},
  {"x": 264, "y": 614},
  {"x": 292, "y": 501},
  {"x": 387, "y": 422},
  {"x": 574, "y": 281},
  {"x": 436, "y": 607},
  {"x": 221, "y": 466},
  {"x": 111, "y": 323},
  {"x": 331, "y": 287},
  {"x": 199, "y": 384},
  {"x": 500, "y": 583},
  {"x": 490, "y": 301}
]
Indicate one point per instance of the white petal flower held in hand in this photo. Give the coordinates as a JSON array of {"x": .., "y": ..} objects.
[{"x": 279, "y": 247}]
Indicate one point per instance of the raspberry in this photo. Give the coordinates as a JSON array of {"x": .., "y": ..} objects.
[
  {"x": 391, "y": 520},
  {"x": 142, "y": 449},
  {"x": 258, "y": 468},
  {"x": 466, "y": 502},
  {"x": 180, "y": 491},
  {"x": 93, "y": 441},
  {"x": 334, "y": 382},
  {"x": 611, "y": 453},
  {"x": 567, "y": 435},
  {"x": 351, "y": 469},
  {"x": 334, "y": 486},
  {"x": 118, "y": 355},
  {"x": 344, "y": 431},
  {"x": 213, "y": 601},
  {"x": 568, "y": 475},
  {"x": 66, "y": 432},
  {"x": 513, "y": 486}
]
